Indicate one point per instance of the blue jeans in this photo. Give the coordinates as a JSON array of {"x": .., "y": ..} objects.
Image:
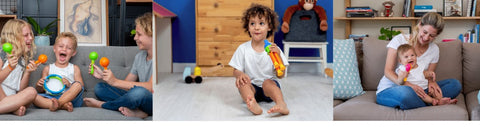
[
  {"x": 76, "y": 102},
  {"x": 404, "y": 97},
  {"x": 136, "y": 97}
]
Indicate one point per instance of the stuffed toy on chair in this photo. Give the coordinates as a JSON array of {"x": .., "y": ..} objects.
[{"x": 305, "y": 5}]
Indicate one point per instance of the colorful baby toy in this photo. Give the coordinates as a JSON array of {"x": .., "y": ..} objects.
[{"x": 276, "y": 60}]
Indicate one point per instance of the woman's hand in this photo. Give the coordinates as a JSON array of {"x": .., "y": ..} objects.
[
  {"x": 242, "y": 80},
  {"x": 434, "y": 90},
  {"x": 418, "y": 90}
]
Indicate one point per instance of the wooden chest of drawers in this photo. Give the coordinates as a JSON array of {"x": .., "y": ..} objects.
[{"x": 219, "y": 32}]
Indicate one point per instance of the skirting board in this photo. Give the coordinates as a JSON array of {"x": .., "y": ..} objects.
[{"x": 293, "y": 67}]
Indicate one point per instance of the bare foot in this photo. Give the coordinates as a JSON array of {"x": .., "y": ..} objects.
[
  {"x": 68, "y": 106},
  {"x": 54, "y": 105},
  {"x": 453, "y": 101},
  {"x": 280, "y": 108},
  {"x": 132, "y": 113},
  {"x": 444, "y": 101},
  {"x": 20, "y": 111},
  {"x": 253, "y": 106},
  {"x": 91, "y": 102}
]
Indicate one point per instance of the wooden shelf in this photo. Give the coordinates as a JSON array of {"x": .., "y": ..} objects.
[{"x": 8, "y": 16}]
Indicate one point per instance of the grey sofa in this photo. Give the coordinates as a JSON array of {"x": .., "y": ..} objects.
[
  {"x": 121, "y": 59},
  {"x": 458, "y": 60}
]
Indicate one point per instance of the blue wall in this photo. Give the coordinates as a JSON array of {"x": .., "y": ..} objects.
[{"x": 183, "y": 28}]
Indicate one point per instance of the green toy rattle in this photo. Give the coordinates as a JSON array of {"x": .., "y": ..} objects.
[
  {"x": 7, "y": 47},
  {"x": 93, "y": 56}
]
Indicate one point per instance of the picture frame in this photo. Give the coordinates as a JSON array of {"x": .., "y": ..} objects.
[
  {"x": 402, "y": 29},
  {"x": 90, "y": 27},
  {"x": 452, "y": 8}
]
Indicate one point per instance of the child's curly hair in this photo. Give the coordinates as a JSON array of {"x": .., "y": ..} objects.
[{"x": 261, "y": 11}]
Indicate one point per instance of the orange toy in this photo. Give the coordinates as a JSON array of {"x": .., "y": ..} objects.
[
  {"x": 104, "y": 62},
  {"x": 42, "y": 58},
  {"x": 276, "y": 60}
]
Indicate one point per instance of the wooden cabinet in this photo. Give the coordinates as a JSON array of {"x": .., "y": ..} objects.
[
  {"x": 219, "y": 32},
  {"x": 413, "y": 20},
  {"x": 4, "y": 19}
]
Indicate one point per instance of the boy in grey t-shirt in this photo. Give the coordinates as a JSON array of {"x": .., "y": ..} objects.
[{"x": 132, "y": 96}]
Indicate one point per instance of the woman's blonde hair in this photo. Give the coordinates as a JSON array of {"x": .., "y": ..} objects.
[
  {"x": 433, "y": 19},
  {"x": 145, "y": 22},
  {"x": 12, "y": 32}
]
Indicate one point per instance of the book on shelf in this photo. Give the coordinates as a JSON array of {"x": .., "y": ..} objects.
[
  {"x": 359, "y": 12},
  {"x": 423, "y": 7},
  {"x": 406, "y": 8},
  {"x": 471, "y": 36}
]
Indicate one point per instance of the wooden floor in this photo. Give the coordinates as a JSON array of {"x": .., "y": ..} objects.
[{"x": 308, "y": 96}]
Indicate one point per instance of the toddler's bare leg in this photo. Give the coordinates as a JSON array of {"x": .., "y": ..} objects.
[
  {"x": 65, "y": 100},
  {"x": 248, "y": 92},
  {"x": 46, "y": 103},
  {"x": 273, "y": 91}
]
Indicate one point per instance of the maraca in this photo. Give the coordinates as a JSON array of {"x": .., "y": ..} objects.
[
  {"x": 408, "y": 67},
  {"x": 104, "y": 62},
  {"x": 7, "y": 47},
  {"x": 93, "y": 56},
  {"x": 42, "y": 58}
]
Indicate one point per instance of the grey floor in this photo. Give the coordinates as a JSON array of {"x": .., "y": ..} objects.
[{"x": 308, "y": 96}]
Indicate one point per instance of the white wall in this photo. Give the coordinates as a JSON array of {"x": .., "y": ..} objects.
[{"x": 372, "y": 27}]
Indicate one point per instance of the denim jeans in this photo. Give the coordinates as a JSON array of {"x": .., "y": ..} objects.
[
  {"x": 137, "y": 97},
  {"x": 76, "y": 102},
  {"x": 404, "y": 97}
]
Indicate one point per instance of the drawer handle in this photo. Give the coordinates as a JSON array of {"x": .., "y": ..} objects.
[
  {"x": 215, "y": 5},
  {"x": 216, "y": 30}
]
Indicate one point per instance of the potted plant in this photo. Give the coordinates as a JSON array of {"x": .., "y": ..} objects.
[
  {"x": 43, "y": 37},
  {"x": 387, "y": 34}
]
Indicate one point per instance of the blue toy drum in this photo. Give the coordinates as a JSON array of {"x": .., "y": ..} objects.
[{"x": 53, "y": 85}]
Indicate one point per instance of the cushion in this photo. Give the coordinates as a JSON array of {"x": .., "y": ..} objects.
[
  {"x": 374, "y": 55},
  {"x": 471, "y": 67},
  {"x": 472, "y": 105},
  {"x": 346, "y": 81},
  {"x": 450, "y": 61},
  {"x": 364, "y": 107}
]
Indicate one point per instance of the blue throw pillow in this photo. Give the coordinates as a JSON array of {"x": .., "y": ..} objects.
[{"x": 346, "y": 80}]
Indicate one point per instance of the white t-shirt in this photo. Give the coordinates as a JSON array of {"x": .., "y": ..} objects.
[
  {"x": 415, "y": 76},
  {"x": 430, "y": 56},
  {"x": 257, "y": 65},
  {"x": 11, "y": 84},
  {"x": 67, "y": 72}
]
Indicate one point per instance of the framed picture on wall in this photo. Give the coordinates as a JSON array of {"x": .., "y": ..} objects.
[
  {"x": 452, "y": 8},
  {"x": 86, "y": 19}
]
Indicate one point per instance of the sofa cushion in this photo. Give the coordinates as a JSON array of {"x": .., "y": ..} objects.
[
  {"x": 121, "y": 60},
  {"x": 471, "y": 67},
  {"x": 364, "y": 107},
  {"x": 81, "y": 113},
  {"x": 346, "y": 83},
  {"x": 450, "y": 61},
  {"x": 337, "y": 102},
  {"x": 374, "y": 55}
]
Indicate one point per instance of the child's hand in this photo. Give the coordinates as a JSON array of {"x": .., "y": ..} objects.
[
  {"x": 32, "y": 66},
  {"x": 401, "y": 76},
  {"x": 66, "y": 82},
  {"x": 241, "y": 80},
  {"x": 41, "y": 82},
  {"x": 97, "y": 73},
  {"x": 12, "y": 60},
  {"x": 434, "y": 90},
  {"x": 274, "y": 48},
  {"x": 429, "y": 74},
  {"x": 109, "y": 77}
]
